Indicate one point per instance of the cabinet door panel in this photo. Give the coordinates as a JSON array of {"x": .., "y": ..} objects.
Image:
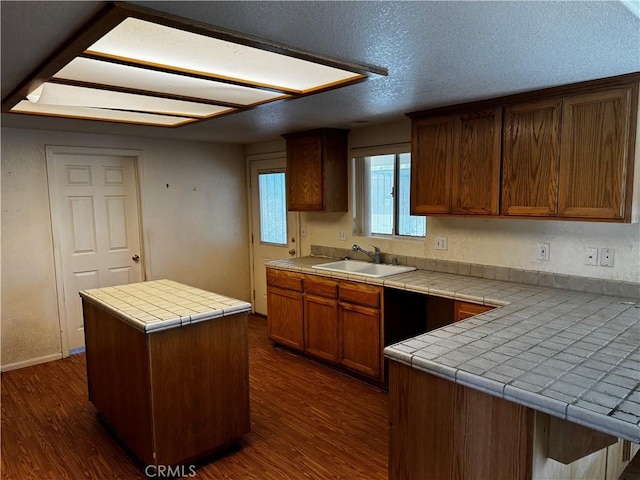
[
  {"x": 321, "y": 328},
  {"x": 593, "y": 162},
  {"x": 284, "y": 317},
  {"x": 530, "y": 159},
  {"x": 476, "y": 162},
  {"x": 360, "y": 348},
  {"x": 304, "y": 173},
  {"x": 431, "y": 160}
]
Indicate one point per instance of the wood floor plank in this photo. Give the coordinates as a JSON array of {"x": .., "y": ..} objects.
[{"x": 307, "y": 422}]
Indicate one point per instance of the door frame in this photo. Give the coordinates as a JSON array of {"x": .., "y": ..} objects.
[
  {"x": 277, "y": 155},
  {"x": 50, "y": 152}
]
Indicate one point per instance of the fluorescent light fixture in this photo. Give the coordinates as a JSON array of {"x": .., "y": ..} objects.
[
  {"x": 135, "y": 65},
  {"x": 97, "y": 72}
]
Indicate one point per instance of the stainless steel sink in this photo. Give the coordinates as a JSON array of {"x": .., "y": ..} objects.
[{"x": 365, "y": 269}]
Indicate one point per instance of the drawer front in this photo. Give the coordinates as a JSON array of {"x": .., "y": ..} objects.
[
  {"x": 320, "y": 287},
  {"x": 286, "y": 280},
  {"x": 463, "y": 310},
  {"x": 360, "y": 294}
]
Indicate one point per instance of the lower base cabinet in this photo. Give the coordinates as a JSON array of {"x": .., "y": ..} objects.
[
  {"x": 344, "y": 323},
  {"x": 361, "y": 344},
  {"x": 287, "y": 307},
  {"x": 336, "y": 321},
  {"x": 321, "y": 328}
]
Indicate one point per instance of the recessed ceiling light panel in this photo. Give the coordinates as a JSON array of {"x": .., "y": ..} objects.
[
  {"x": 89, "y": 113},
  {"x": 134, "y": 65},
  {"x": 92, "y": 71},
  {"x": 73, "y": 96},
  {"x": 189, "y": 52}
]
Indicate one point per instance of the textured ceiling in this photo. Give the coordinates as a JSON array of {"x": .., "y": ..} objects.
[{"x": 437, "y": 53}]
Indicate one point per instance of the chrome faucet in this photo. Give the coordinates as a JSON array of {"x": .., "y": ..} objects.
[{"x": 375, "y": 256}]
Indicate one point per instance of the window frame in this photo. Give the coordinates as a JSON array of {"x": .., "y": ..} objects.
[{"x": 361, "y": 212}]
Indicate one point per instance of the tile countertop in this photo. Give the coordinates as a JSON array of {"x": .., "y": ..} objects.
[
  {"x": 162, "y": 304},
  {"x": 572, "y": 355}
]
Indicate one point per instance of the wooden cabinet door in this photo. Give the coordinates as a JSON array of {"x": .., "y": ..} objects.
[
  {"x": 317, "y": 170},
  {"x": 360, "y": 346},
  {"x": 321, "y": 328},
  {"x": 531, "y": 152},
  {"x": 462, "y": 310},
  {"x": 594, "y": 154},
  {"x": 476, "y": 162},
  {"x": 431, "y": 163},
  {"x": 285, "y": 317},
  {"x": 304, "y": 173}
]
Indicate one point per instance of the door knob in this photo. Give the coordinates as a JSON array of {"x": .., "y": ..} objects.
[
  {"x": 135, "y": 258},
  {"x": 292, "y": 251}
]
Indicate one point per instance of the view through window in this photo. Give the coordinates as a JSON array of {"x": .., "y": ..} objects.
[
  {"x": 273, "y": 208},
  {"x": 386, "y": 202}
]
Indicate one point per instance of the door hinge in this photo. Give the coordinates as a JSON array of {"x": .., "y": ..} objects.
[
  {"x": 254, "y": 295},
  {"x": 252, "y": 238}
]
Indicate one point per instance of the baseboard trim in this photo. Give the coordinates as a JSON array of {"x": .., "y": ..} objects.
[{"x": 30, "y": 362}]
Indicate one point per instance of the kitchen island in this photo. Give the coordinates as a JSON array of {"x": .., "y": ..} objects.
[
  {"x": 546, "y": 386},
  {"x": 167, "y": 368}
]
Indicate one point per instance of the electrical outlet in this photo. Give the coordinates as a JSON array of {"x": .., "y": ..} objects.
[
  {"x": 606, "y": 257},
  {"x": 543, "y": 252},
  {"x": 303, "y": 231},
  {"x": 342, "y": 235},
  {"x": 441, "y": 243},
  {"x": 592, "y": 256}
]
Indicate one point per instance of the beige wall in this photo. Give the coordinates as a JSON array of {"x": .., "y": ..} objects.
[
  {"x": 195, "y": 231},
  {"x": 500, "y": 242}
]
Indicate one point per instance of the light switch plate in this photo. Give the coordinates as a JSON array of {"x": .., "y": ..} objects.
[
  {"x": 342, "y": 235},
  {"x": 303, "y": 231}
]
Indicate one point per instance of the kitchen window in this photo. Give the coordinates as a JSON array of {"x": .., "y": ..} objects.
[{"x": 382, "y": 186}]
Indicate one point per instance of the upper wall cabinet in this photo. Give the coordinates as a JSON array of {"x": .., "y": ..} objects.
[
  {"x": 564, "y": 153},
  {"x": 317, "y": 162},
  {"x": 476, "y": 162},
  {"x": 455, "y": 163},
  {"x": 530, "y": 158},
  {"x": 595, "y": 154},
  {"x": 431, "y": 164}
]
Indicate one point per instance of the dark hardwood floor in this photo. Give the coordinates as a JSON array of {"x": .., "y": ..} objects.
[{"x": 307, "y": 422}]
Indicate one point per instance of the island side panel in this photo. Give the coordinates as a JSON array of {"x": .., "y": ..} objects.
[
  {"x": 200, "y": 387},
  {"x": 118, "y": 378},
  {"x": 440, "y": 429}
]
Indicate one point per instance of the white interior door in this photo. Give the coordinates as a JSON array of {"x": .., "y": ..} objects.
[
  {"x": 94, "y": 206},
  {"x": 275, "y": 231}
]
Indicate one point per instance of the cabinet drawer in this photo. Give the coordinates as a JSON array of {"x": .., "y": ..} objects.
[
  {"x": 320, "y": 287},
  {"x": 464, "y": 310},
  {"x": 361, "y": 294},
  {"x": 286, "y": 280}
]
